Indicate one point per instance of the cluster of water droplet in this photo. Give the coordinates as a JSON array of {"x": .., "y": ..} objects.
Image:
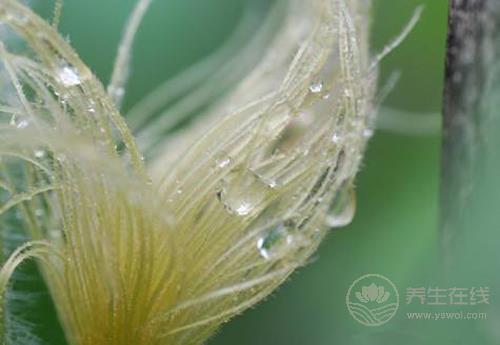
[{"x": 245, "y": 192}]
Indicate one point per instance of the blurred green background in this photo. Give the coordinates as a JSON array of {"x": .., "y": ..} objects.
[{"x": 395, "y": 230}]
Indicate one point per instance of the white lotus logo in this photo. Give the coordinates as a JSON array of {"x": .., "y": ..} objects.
[
  {"x": 373, "y": 293},
  {"x": 372, "y": 300}
]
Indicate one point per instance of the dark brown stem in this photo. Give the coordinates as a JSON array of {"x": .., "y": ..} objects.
[{"x": 471, "y": 73}]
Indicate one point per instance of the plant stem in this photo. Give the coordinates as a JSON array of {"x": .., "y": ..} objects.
[{"x": 470, "y": 128}]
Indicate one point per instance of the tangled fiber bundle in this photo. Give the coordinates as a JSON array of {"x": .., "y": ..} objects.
[{"x": 221, "y": 214}]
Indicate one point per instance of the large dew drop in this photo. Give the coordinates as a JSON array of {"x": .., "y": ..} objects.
[
  {"x": 242, "y": 192},
  {"x": 342, "y": 208},
  {"x": 275, "y": 240}
]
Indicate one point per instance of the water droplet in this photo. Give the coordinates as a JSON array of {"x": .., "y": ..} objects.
[
  {"x": 316, "y": 87},
  {"x": 39, "y": 153},
  {"x": 242, "y": 193},
  {"x": 244, "y": 208},
  {"x": 68, "y": 76},
  {"x": 23, "y": 124},
  {"x": 336, "y": 138},
  {"x": 368, "y": 133},
  {"x": 342, "y": 208},
  {"x": 61, "y": 157},
  {"x": 179, "y": 190},
  {"x": 18, "y": 123},
  {"x": 271, "y": 183},
  {"x": 276, "y": 239},
  {"x": 224, "y": 162},
  {"x": 91, "y": 107}
]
